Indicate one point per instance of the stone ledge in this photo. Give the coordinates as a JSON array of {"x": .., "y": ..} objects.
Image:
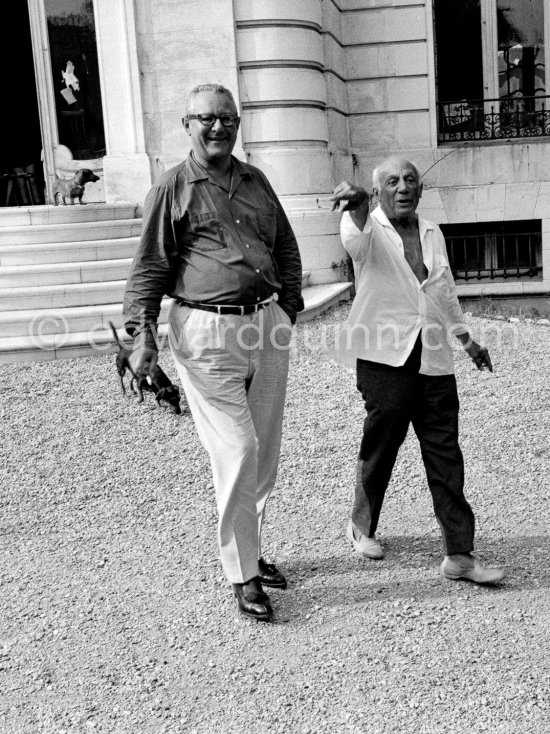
[
  {"x": 42, "y": 215},
  {"x": 317, "y": 299}
]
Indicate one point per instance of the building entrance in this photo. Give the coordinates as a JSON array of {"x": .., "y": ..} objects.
[
  {"x": 52, "y": 122},
  {"x": 21, "y": 172}
]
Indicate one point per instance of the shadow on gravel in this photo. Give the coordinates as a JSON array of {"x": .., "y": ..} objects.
[
  {"x": 526, "y": 559},
  {"x": 411, "y": 569}
]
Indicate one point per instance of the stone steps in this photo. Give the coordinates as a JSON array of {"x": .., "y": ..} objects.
[
  {"x": 77, "y": 319},
  {"x": 25, "y": 216},
  {"x": 48, "y": 336},
  {"x": 61, "y": 296},
  {"x": 68, "y": 252},
  {"x": 59, "y": 274},
  {"x": 23, "y": 235},
  {"x": 63, "y": 273}
]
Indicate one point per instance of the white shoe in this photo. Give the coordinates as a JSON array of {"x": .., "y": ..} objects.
[
  {"x": 369, "y": 547},
  {"x": 468, "y": 567}
]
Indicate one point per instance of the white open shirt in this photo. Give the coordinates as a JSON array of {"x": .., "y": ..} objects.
[{"x": 391, "y": 306}]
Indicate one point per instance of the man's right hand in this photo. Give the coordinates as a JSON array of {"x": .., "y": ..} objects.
[
  {"x": 347, "y": 197},
  {"x": 143, "y": 361},
  {"x": 353, "y": 199}
]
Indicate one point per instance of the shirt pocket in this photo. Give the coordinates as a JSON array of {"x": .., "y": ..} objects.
[
  {"x": 267, "y": 223},
  {"x": 205, "y": 233}
]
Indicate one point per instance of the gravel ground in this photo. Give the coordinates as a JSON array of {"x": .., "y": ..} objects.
[{"x": 114, "y": 614}]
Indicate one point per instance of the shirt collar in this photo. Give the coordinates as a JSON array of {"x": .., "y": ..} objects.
[
  {"x": 197, "y": 173},
  {"x": 423, "y": 224}
]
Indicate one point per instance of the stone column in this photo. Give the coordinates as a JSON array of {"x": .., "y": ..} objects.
[
  {"x": 282, "y": 92},
  {"x": 126, "y": 167},
  {"x": 283, "y": 97}
]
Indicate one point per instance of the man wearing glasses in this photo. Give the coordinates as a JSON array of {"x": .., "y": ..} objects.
[{"x": 216, "y": 239}]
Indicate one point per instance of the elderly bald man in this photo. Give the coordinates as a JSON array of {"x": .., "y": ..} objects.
[{"x": 400, "y": 328}]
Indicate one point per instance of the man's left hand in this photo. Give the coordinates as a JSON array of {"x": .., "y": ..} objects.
[{"x": 480, "y": 356}]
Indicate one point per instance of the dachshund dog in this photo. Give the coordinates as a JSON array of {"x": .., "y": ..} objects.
[
  {"x": 156, "y": 382},
  {"x": 73, "y": 188}
]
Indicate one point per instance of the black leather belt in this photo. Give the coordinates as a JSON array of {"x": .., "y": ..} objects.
[{"x": 237, "y": 310}]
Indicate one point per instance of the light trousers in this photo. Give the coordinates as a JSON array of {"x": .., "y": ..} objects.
[{"x": 234, "y": 370}]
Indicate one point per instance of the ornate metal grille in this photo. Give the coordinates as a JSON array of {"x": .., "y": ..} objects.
[
  {"x": 489, "y": 254},
  {"x": 494, "y": 119}
]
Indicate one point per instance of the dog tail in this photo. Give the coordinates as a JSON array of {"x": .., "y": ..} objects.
[{"x": 120, "y": 344}]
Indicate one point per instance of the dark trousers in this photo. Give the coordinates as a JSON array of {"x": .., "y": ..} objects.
[{"x": 394, "y": 398}]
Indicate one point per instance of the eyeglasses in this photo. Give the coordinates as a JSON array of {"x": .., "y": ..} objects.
[{"x": 209, "y": 120}]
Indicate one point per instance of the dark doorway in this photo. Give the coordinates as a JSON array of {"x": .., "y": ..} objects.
[{"x": 22, "y": 180}]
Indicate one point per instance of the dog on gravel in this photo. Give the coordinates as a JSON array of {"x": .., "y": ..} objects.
[
  {"x": 157, "y": 382},
  {"x": 73, "y": 188}
]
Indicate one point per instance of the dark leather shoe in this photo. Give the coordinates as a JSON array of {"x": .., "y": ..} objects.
[
  {"x": 270, "y": 575},
  {"x": 252, "y": 601}
]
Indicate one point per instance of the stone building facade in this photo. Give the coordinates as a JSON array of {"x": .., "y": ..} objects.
[{"x": 326, "y": 89}]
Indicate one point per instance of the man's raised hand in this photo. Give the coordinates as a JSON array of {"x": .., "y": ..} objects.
[{"x": 347, "y": 197}]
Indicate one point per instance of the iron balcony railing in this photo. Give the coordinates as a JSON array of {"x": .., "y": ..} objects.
[
  {"x": 494, "y": 119},
  {"x": 495, "y": 257}
]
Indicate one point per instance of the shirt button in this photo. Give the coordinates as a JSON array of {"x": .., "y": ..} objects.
[
  {"x": 257, "y": 298},
  {"x": 247, "y": 246},
  {"x": 257, "y": 270},
  {"x": 238, "y": 221}
]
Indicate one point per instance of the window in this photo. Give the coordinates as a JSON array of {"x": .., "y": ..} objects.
[
  {"x": 520, "y": 57},
  {"x": 73, "y": 52},
  {"x": 496, "y": 251},
  {"x": 491, "y": 62}
]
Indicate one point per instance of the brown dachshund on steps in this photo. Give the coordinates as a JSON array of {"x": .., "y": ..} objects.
[{"x": 72, "y": 188}]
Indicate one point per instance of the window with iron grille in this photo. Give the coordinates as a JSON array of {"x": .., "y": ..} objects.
[
  {"x": 496, "y": 251},
  {"x": 491, "y": 61}
]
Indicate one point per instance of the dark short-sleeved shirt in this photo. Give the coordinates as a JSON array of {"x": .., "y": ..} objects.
[{"x": 203, "y": 244}]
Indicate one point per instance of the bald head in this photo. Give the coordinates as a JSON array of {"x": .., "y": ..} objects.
[
  {"x": 397, "y": 185},
  {"x": 390, "y": 163}
]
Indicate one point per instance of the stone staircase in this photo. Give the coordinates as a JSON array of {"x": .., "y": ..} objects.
[{"x": 62, "y": 277}]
